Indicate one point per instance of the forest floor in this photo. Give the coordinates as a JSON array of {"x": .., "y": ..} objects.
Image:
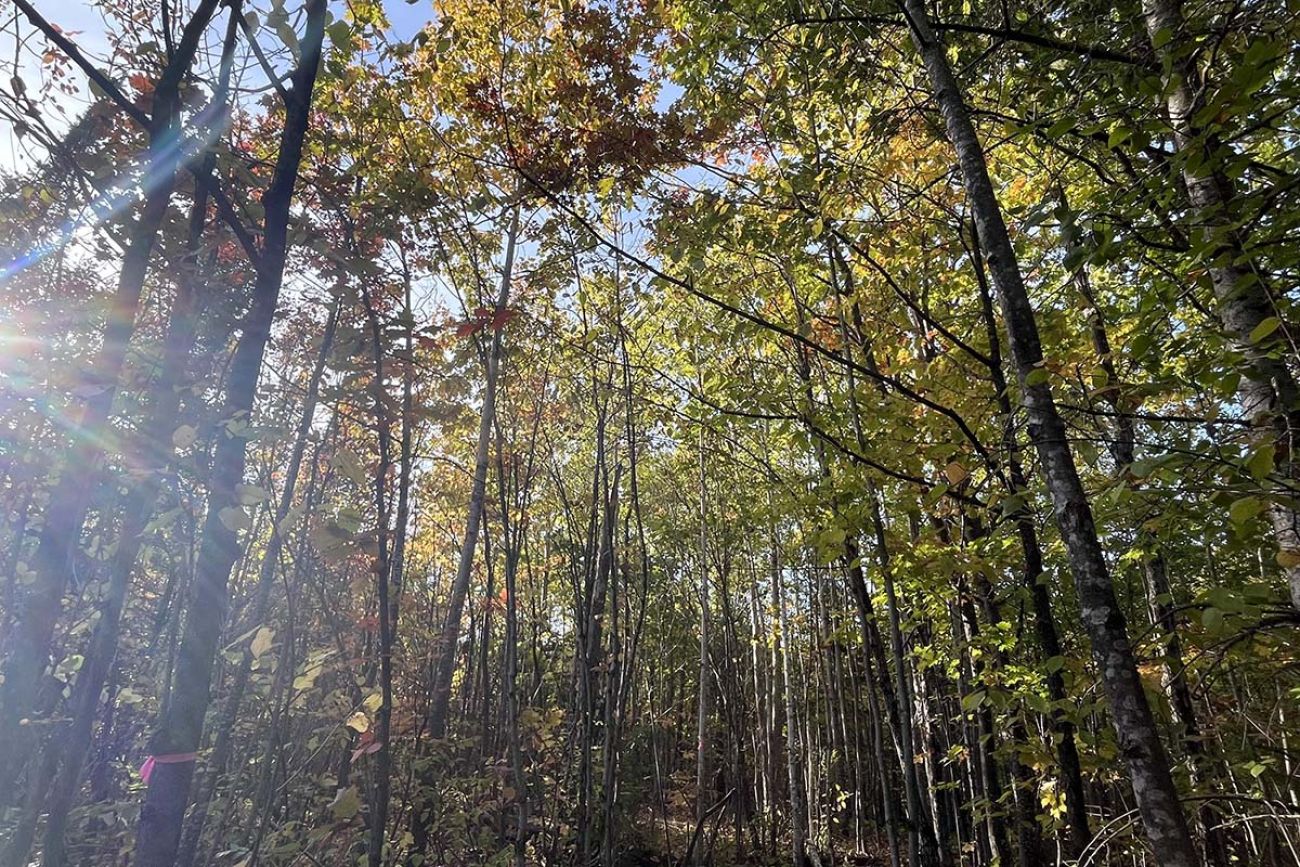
[{"x": 660, "y": 844}]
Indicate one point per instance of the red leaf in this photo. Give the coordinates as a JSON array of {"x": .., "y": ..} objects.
[{"x": 502, "y": 316}]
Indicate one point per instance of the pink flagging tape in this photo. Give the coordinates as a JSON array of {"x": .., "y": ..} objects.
[{"x": 146, "y": 770}]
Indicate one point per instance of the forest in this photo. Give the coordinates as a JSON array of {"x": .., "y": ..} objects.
[{"x": 613, "y": 433}]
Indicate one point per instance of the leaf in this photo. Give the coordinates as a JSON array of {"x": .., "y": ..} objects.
[
  {"x": 501, "y": 317},
  {"x": 349, "y": 464},
  {"x": 250, "y": 495},
  {"x": 956, "y": 473},
  {"x": 1288, "y": 558},
  {"x": 1264, "y": 329},
  {"x": 373, "y": 702},
  {"x": 1260, "y": 462},
  {"x": 358, "y": 722},
  {"x": 1012, "y": 504},
  {"x": 290, "y": 518},
  {"x": 366, "y": 744},
  {"x": 234, "y": 519},
  {"x": 972, "y": 701},
  {"x": 162, "y": 520},
  {"x": 340, "y": 32},
  {"x": 1037, "y": 376},
  {"x": 184, "y": 436},
  {"x": 346, "y": 803},
  {"x": 1243, "y": 510},
  {"x": 262, "y": 641}
]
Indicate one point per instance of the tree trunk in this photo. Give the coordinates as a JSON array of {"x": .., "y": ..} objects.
[
  {"x": 180, "y": 726},
  {"x": 220, "y": 756},
  {"x": 1268, "y": 394},
  {"x": 793, "y": 748},
  {"x": 445, "y": 663},
  {"x": 155, "y": 454},
  {"x": 1049, "y": 642},
  {"x": 705, "y": 671},
  {"x": 28, "y": 651},
  {"x": 382, "y": 565},
  {"x": 1153, "y": 784}
]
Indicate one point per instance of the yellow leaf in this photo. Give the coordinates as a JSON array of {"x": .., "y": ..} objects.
[
  {"x": 955, "y": 473},
  {"x": 262, "y": 641},
  {"x": 1288, "y": 558}
]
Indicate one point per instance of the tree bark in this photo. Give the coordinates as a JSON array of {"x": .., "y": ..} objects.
[
  {"x": 220, "y": 756},
  {"x": 702, "y": 710},
  {"x": 1139, "y": 739},
  {"x": 28, "y": 651},
  {"x": 793, "y": 746},
  {"x": 1049, "y": 642},
  {"x": 1268, "y": 393},
  {"x": 382, "y": 565},
  {"x": 449, "y": 636},
  {"x": 180, "y": 726}
]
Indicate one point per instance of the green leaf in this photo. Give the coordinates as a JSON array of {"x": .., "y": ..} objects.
[
  {"x": 235, "y": 520},
  {"x": 1264, "y": 329},
  {"x": 340, "y": 32},
  {"x": 1260, "y": 462},
  {"x": 349, "y": 464},
  {"x": 1037, "y": 376},
  {"x": 973, "y": 700},
  {"x": 1060, "y": 128},
  {"x": 1243, "y": 510},
  {"x": 1013, "y": 504},
  {"x": 250, "y": 495},
  {"x": 346, "y": 803}
]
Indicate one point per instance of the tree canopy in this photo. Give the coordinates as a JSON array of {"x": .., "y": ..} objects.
[{"x": 579, "y": 432}]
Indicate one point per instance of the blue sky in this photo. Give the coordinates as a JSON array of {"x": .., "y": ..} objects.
[{"x": 84, "y": 22}]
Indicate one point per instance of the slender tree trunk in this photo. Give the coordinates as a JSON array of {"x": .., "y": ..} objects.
[
  {"x": 1049, "y": 643},
  {"x": 1268, "y": 392},
  {"x": 609, "y": 754},
  {"x": 1155, "y": 570},
  {"x": 180, "y": 726},
  {"x": 1139, "y": 738},
  {"x": 922, "y": 845},
  {"x": 793, "y": 747},
  {"x": 217, "y": 762},
  {"x": 155, "y": 454},
  {"x": 445, "y": 663},
  {"x": 28, "y": 651},
  {"x": 702, "y": 710},
  {"x": 382, "y": 570},
  {"x": 512, "y": 536}
]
